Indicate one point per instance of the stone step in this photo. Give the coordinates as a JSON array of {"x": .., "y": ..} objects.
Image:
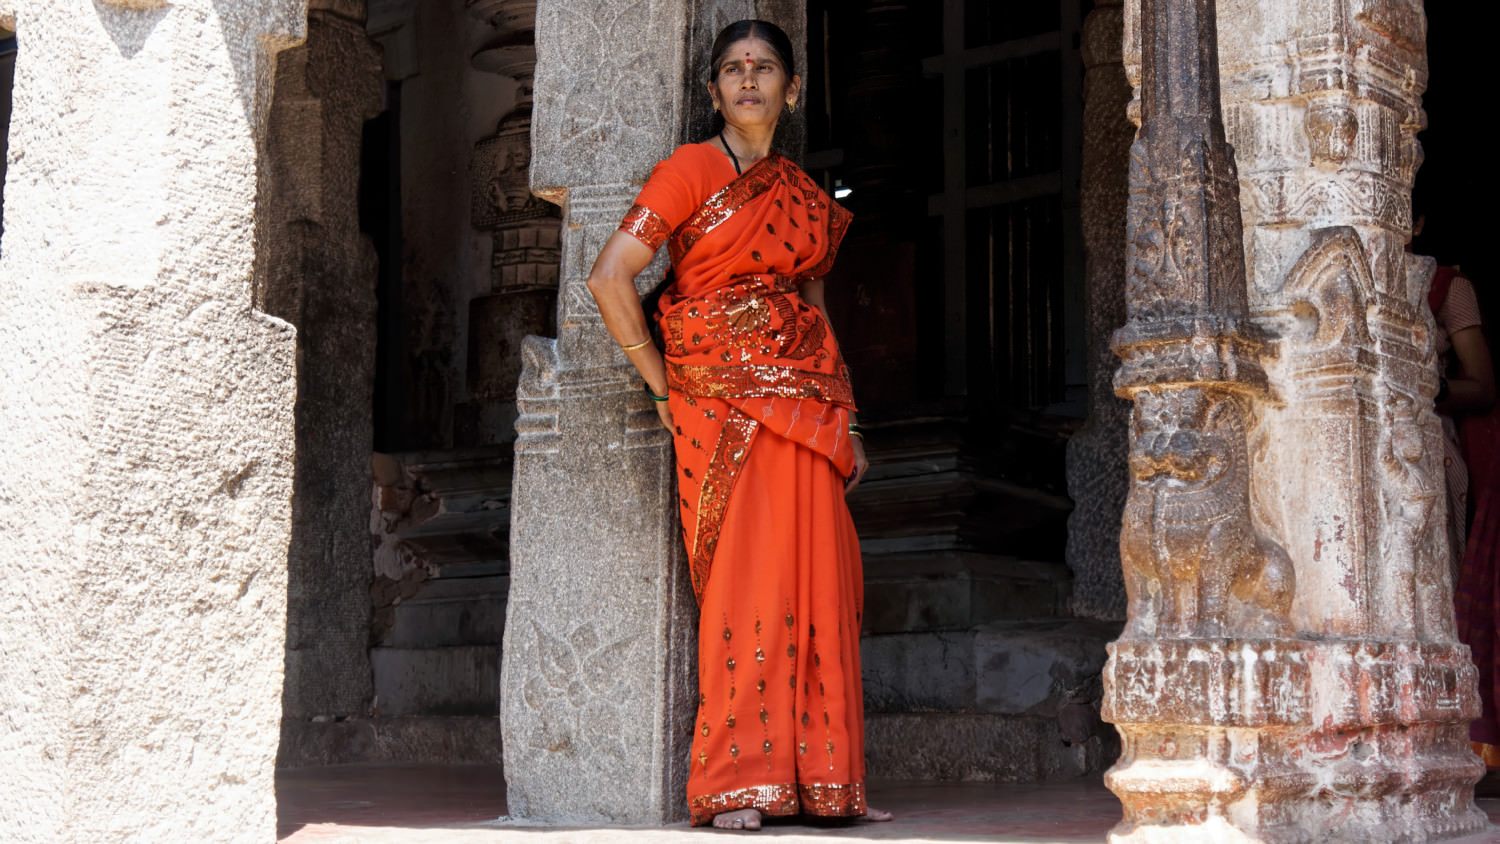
[
  {"x": 1013, "y": 668},
  {"x": 435, "y": 740},
  {"x": 451, "y": 612},
  {"x": 980, "y": 747},
  {"x": 437, "y": 681},
  {"x": 958, "y": 590}
]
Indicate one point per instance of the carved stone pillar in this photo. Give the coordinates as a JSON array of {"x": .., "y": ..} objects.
[
  {"x": 1289, "y": 671},
  {"x": 597, "y": 679},
  {"x": 521, "y": 295}
]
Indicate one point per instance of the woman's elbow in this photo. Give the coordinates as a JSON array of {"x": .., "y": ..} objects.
[{"x": 599, "y": 283}]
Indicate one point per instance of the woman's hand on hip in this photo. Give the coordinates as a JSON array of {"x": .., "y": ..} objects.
[{"x": 861, "y": 465}]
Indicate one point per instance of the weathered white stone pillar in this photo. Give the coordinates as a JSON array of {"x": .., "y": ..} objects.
[
  {"x": 148, "y": 419},
  {"x": 1289, "y": 671}
]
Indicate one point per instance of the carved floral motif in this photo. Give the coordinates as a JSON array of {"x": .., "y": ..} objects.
[{"x": 572, "y": 689}]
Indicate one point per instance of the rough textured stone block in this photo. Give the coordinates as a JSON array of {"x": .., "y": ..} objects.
[
  {"x": 917, "y": 671},
  {"x": 450, "y": 740},
  {"x": 1030, "y": 668},
  {"x": 466, "y": 611}
]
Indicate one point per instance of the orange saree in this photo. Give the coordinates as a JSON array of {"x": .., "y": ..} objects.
[{"x": 760, "y": 399}]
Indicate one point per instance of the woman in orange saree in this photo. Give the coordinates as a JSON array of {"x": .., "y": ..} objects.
[{"x": 750, "y": 381}]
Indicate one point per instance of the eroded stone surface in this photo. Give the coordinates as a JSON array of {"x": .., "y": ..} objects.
[
  {"x": 148, "y": 463},
  {"x": 319, "y": 274}
]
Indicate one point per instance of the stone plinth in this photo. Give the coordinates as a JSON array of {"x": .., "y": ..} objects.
[
  {"x": 149, "y": 424},
  {"x": 1289, "y": 740}
]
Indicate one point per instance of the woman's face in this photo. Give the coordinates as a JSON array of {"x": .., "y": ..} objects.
[{"x": 751, "y": 85}]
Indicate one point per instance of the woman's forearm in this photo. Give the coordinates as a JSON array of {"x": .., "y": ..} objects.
[{"x": 612, "y": 283}]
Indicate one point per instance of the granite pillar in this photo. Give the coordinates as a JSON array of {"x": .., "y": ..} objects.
[
  {"x": 318, "y": 274},
  {"x": 1097, "y": 478},
  {"x": 597, "y": 676},
  {"x": 1288, "y": 671}
]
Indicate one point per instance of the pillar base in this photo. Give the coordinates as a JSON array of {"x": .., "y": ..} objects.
[{"x": 1276, "y": 740}]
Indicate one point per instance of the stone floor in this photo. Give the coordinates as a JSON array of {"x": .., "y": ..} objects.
[{"x": 423, "y": 804}]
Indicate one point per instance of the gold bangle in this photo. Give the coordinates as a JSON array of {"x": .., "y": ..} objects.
[
  {"x": 859, "y": 434},
  {"x": 641, "y": 345}
]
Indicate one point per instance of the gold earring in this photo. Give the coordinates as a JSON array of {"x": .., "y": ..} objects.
[{"x": 791, "y": 106}]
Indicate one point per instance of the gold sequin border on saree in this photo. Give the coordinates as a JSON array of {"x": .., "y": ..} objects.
[{"x": 783, "y": 800}]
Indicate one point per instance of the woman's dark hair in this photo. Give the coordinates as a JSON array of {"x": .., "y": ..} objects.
[{"x": 765, "y": 31}]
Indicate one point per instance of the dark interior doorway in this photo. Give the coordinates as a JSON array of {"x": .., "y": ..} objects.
[
  {"x": 1455, "y": 183},
  {"x": 954, "y": 130}
]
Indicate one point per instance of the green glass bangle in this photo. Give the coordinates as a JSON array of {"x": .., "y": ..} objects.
[{"x": 654, "y": 397}]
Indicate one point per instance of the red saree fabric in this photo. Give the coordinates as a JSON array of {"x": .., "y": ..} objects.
[{"x": 760, "y": 398}]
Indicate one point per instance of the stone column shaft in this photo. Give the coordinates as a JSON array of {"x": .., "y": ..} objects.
[
  {"x": 597, "y": 679},
  {"x": 148, "y": 466},
  {"x": 1287, "y": 673}
]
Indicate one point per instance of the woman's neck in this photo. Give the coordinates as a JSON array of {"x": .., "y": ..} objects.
[{"x": 749, "y": 145}]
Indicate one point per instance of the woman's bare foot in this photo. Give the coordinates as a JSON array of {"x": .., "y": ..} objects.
[
  {"x": 739, "y": 819},
  {"x": 874, "y": 815}
]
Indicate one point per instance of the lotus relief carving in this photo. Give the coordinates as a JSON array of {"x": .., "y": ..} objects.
[{"x": 572, "y": 688}]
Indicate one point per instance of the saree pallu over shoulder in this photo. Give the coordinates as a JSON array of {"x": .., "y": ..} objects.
[
  {"x": 735, "y": 324},
  {"x": 773, "y": 190}
]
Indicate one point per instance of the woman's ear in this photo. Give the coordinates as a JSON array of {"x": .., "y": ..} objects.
[
  {"x": 794, "y": 90},
  {"x": 713, "y": 95}
]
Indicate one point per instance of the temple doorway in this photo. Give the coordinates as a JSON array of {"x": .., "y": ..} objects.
[{"x": 954, "y": 132}]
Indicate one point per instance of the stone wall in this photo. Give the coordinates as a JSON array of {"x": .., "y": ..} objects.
[{"x": 148, "y": 460}]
